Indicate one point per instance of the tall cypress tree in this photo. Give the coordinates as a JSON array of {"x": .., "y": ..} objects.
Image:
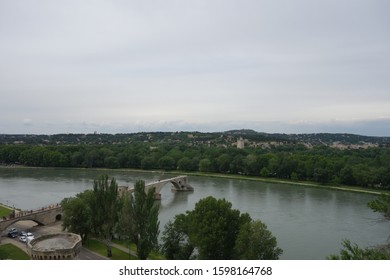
[
  {"x": 105, "y": 205},
  {"x": 143, "y": 227}
]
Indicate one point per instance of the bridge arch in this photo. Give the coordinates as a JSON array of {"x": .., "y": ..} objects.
[
  {"x": 43, "y": 216},
  {"x": 14, "y": 221},
  {"x": 179, "y": 183}
]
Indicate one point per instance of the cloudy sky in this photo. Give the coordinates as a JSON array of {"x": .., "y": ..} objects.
[{"x": 293, "y": 66}]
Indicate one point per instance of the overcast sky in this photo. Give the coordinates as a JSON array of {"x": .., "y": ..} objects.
[{"x": 292, "y": 66}]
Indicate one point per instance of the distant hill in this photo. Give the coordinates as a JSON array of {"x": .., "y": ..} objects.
[
  {"x": 344, "y": 138},
  {"x": 209, "y": 138}
]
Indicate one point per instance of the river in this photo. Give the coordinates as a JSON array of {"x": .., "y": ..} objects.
[{"x": 309, "y": 223}]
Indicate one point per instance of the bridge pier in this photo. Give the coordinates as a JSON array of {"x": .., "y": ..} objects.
[{"x": 179, "y": 184}]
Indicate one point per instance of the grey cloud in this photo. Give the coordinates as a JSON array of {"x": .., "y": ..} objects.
[{"x": 189, "y": 62}]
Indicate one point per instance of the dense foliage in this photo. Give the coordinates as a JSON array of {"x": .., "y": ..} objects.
[
  {"x": 356, "y": 167},
  {"x": 309, "y": 157},
  {"x": 77, "y": 214},
  {"x": 354, "y": 252},
  {"x": 104, "y": 205},
  {"x": 381, "y": 205},
  {"x": 215, "y": 231},
  {"x": 105, "y": 212},
  {"x": 140, "y": 217}
]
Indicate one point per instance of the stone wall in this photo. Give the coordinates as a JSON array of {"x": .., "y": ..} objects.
[{"x": 70, "y": 253}]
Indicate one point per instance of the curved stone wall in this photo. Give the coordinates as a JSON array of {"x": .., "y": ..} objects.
[{"x": 60, "y": 246}]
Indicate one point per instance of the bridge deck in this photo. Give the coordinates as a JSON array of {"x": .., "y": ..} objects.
[
  {"x": 167, "y": 180},
  {"x": 42, "y": 215},
  {"x": 180, "y": 183}
]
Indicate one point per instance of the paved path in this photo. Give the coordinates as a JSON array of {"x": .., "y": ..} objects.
[
  {"x": 86, "y": 254},
  {"x": 124, "y": 249}
]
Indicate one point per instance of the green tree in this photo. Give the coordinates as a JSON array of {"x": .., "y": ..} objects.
[
  {"x": 148, "y": 162},
  {"x": 53, "y": 158},
  {"x": 205, "y": 165},
  {"x": 346, "y": 176},
  {"x": 111, "y": 162},
  {"x": 93, "y": 159},
  {"x": 236, "y": 165},
  {"x": 185, "y": 164},
  {"x": 251, "y": 164},
  {"x": 11, "y": 153},
  {"x": 383, "y": 177},
  {"x": 213, "y": 227},
  {"x": 144, "y": 225},
  {"x": 381, "y": 205},
  {"x": 77, "y": 214},
  {"x": 33, "y": 156},
  {"x": 175, "y": 153},
  {"x": 216, "y": 231},
  {"x": 354, "y": 252},
  {"x": 124, "y": 226},
  {"x": 264, "y": 172},
  {"x": 105, "y": 205},
  {"x": 176, "y": 245},
  {"x": 76, "y": 159},
  {"x": 256, "y": 242},
  {"x": 223, "y": 162},
  {"x": 167, "y": 163}
]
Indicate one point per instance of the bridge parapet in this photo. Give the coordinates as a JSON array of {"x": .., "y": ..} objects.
[
  {"x": 42, "y": 216},
  {"x": 179, "y": 184}
]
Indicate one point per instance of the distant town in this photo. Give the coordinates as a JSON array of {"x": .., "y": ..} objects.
[{"x": 239, "y": 138}]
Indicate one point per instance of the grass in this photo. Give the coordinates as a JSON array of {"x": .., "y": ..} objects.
[
  {"x": 156, "y": 256},
  {"x": 125, "y": 243},
  {"x": 4, "y": 212},
  {"x": 153, "y": 255},
  {"x": 10, "y": 251},
  {"x": 100, "y": 248}
]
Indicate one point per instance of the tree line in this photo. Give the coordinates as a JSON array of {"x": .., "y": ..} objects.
[
  {"x": 363, "y": 167},
  {"x": 213, "y": 230}
]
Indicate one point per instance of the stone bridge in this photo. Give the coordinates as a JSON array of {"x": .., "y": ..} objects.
[
  {"x": 179, "y": 184},
  {"x": 52, "y": 213},
  {"x": 42, "y": 216}
]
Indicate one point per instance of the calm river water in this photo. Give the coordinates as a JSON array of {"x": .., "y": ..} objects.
[{"x": 309, "y": 223}]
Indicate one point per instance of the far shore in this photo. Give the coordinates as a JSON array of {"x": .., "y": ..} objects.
[{"x": 226, "y": 176}]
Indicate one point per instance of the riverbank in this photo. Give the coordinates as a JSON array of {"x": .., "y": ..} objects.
[
  {"x": 226, "y": 176},
  {"x": 264, "y": 180},
  {"x": 5, "y": 210},
  {"x": 293, "y": 182}
]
